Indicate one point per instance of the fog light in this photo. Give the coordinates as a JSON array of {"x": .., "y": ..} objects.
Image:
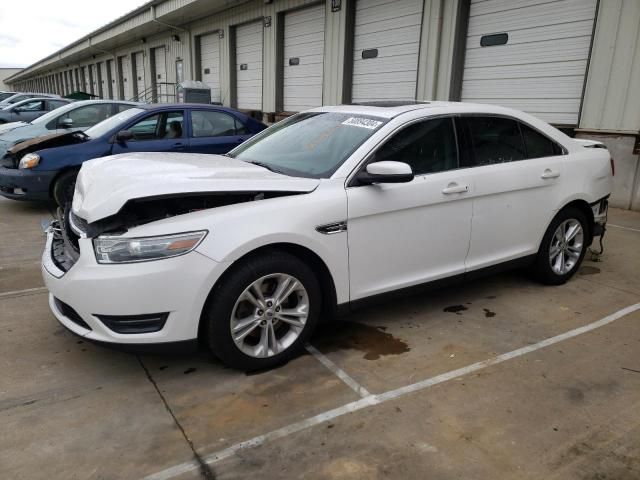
[{"x": 128, "y": 324}]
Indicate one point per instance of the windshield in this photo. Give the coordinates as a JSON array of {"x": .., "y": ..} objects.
[
  {"x": 312, "y": 144},
  {"x": 5, "y": 95},
  {"x": 110, "y": 123}
]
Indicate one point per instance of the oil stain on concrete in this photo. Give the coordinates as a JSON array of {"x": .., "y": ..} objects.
[
  {"x": 587, "y": 270},
  {"x": 374, "y": 342}
]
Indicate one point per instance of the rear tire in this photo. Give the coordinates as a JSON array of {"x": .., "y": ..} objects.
[
  {"x": 64, "y": 186},
  {"x": 251, "y": 322},
  {"x": 563, "y": 247}
]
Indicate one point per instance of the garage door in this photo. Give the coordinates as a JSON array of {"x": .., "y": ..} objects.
[
  {"x": 112, "y": 79},
  {"x": 126, "y": 78},
  {"x": 249, "y": 66},
  {"x": 94, "y": 79},
  {"x": 104, "y": 85},
  {"x": 160, "y": 73},
  {"x": 138, "y": 59},
  {"x": 86, "y": 80},
  {"x": 541, "y": 67},
  {"x": 210, "y": 64},
  {"x": 303, "y": 58},
  {"x": 386, "y": 46}
]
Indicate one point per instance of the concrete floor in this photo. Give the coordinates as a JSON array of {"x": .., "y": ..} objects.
[{"x": 570, "y": 410}]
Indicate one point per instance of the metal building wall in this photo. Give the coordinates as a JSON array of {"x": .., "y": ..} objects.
[{"x": 611, "y": 103}]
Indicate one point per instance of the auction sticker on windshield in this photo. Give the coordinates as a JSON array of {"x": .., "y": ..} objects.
[{"x": 362, "y": 122}]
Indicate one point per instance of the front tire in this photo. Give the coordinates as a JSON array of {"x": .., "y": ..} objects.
[
  {"x": 263, "y": 312},
  {"x": 563, "y": 247},
  {"x": 64, "y": 186}
]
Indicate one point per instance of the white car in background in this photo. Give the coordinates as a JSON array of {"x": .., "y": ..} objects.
[{"x": 323, "y": 211}]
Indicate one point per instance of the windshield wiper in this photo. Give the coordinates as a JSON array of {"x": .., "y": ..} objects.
[{"x": 265, "y": 165}]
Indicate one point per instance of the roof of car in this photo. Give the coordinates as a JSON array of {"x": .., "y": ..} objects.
[
  {"x": 154, "y": 106},
  {"x": 391, "y": 109}
]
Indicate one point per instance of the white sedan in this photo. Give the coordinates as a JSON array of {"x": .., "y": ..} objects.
[{"x": 323, "y": 211}]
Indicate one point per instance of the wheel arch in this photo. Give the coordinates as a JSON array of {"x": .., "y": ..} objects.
[
  {"x": 304, "y": 254},
  {"x": 62, "y": 171},
  {"x": 585, "y": 208}
]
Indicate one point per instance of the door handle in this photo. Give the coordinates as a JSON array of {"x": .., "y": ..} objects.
[
  {"x": 453, "y": 187},
  {"x": 548, "y": 173},
  {"x": 177, "y": 146}
]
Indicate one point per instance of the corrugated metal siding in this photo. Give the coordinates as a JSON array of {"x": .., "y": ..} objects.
[
  {"x": 544, "y": 60},
  {"x": 612, "y": 94},
  {"x": 303, "y": 58}
]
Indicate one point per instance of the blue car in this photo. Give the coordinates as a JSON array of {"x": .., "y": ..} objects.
[{"x": 46, "y": 167}]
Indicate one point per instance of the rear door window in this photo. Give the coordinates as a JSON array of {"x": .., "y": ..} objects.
[
  {"x": 212, "y": 124},
  {"x": 492, "y": 140},
  {"x": 90, "y": 115}
]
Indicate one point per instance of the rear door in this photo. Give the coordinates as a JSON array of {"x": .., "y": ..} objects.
[
  {"x": 215, "y": 132},
  {"x": 157, "y": 132},
  {"x": 518, "y": 176}
]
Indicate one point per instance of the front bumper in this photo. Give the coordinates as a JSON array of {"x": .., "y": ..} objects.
[
  {"x": 23, "y": 184},
  {"x": 178, "y": 286}
]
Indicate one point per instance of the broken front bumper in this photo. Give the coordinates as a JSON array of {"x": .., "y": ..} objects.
[{"x": 86, "y": 297}]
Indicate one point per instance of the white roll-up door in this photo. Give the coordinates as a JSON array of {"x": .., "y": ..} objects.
[
  {"x": 542, "y": 66},
  {"x": 139, "y": 76},
  {"x": 113, "y": 93},
  {"x": 386, "y": 48},
  {"x": 160, "y": 74},
  {"x": 210, "y": 64},
  {"x": 303, "y": 58},
  {"x": 249, "y": 66},
  {"x": 126, "y": 80},
  {"x": 86, "y": 80},
  {"x": 103, "y": 79},
  {"x": 94, "y": 79}
]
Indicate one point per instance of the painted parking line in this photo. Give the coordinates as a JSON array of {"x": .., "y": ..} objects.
[
  {"x": 623, "y": 228},
  {"x": 26, "y": 291},
  {"x": 371, "y": 400},
  {"x": 337, "y": 371}
]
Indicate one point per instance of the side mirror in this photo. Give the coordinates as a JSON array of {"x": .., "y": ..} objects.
[
  {"x": 123, "y": 135},
  {"x": 385, "y": 172},
  {"x": 65, "y": 123}
]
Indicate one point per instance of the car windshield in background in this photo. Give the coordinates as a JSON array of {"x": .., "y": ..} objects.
[
  {"x": 312, "y": 144},
  {"x": 4, "y": 96},
  {"x": 112, "y": 122}
]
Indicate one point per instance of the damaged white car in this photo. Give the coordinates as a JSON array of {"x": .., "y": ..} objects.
[{"x": 323, "y": 211}]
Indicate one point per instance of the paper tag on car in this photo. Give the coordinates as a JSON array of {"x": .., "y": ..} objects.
[{"x": 362, "y": 123}]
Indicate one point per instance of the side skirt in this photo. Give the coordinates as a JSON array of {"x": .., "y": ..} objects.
[{"x": 346, "y": 308}]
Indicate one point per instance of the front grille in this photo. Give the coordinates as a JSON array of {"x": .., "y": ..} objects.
[
  {"x": 71, "y": 314},
  {"x": 148, "y": 323}
]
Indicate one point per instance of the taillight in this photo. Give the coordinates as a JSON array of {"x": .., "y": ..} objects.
[{"x": 613, "y": 167}]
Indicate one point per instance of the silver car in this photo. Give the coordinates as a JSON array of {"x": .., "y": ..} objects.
[
  {"x": 14, "y": 97},
  {"x": 74, "y": 116},
  {"x": 30, "y": 109}
]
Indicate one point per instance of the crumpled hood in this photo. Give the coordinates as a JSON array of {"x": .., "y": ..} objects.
[
  {"x": 48, "y": 141},
  {"x": 7, "y": 127},
  {"x": 105, "y": 184}
]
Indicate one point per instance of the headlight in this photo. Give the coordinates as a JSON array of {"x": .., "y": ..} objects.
[
  {"x": 30, "y": 160},
  {"x": 142, "y": 249}
]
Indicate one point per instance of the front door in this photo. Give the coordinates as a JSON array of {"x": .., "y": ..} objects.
[
  {"x": 159, "y": 132},
  {"x": 410, "y": 233}
]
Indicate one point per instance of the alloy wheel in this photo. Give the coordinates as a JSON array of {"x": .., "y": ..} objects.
[
  {"x": 566, "y": 246},
  {"x": 269, "y": 315}
]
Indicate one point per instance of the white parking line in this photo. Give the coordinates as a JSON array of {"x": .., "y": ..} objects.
[
  {"x": 385, "y": 397},
  {"x": 338, "y": 372},
  {"x": 26, "y": 291},
  {"x": 623, "y": 228}
]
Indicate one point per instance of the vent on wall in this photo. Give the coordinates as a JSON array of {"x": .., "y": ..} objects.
[{"x": 494, "y": 39}]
